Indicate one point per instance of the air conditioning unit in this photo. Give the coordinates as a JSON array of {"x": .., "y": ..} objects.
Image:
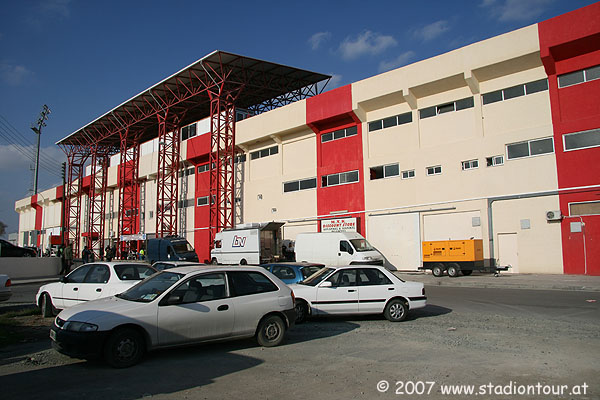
[{"x": 553, "y": 215}]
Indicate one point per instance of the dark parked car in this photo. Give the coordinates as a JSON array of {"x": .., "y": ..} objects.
[
  {"x": 293, "y": 272},
  {"x": 7, "y": 249}
]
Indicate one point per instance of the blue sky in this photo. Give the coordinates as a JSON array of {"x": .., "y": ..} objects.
[{"x": 82, "y": 58}]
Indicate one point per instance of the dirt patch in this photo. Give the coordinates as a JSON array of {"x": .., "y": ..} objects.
[{"x": 23, "y": 324}]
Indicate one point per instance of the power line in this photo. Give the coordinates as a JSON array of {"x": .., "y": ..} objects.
[{"x": 52, "y": 168}]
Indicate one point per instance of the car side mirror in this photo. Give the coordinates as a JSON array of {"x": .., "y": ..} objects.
[
  {"x": 326, "y": 284},
  {"x": 63, "y": 279}
]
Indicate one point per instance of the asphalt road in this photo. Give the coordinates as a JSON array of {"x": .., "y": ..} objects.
[{"x": 464, "y": 336}]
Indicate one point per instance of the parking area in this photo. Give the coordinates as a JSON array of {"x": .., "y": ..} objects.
[{"x": 464, "y": 336}]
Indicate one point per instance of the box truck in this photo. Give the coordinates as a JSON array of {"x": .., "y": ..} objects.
[
  {"x": 170, "y": 248},
  {"x": 336, "y": 248},
  {"x": 254, "y": 244}
]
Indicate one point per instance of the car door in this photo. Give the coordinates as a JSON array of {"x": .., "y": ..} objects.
[
  {"x": 94, "y": 284},
  {"x": 374, "y": 289},
  {"x": 197, "y": 309},
  {"x": 253, "y": 297},
  {"x": 69, "y": 291},
  {"x": 339, "y": 298}
]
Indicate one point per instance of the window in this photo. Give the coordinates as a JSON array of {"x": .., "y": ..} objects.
[
  {"x": 283, "y": 272},
  {"x": 201, "y": 288},
  {"x": 98, "y": 274},
  {"x": 515, "y": 91},
  {"x": 339, "y": 179},
  {"x": 371, "y": 277},
  {"x": 471, "y": 164},
  {"x": 410, "y": 173},
  {"x": 203, "y": 168},
  {"x": 585, "y": 208},
  {"x": 133, "y": 272},
  {"x": 78, "y": 275},
  {"x": 243, "y": 283},
  {"x": 345, "y": 247},
  {"x": 576, "y": 77},
  {"x": 582, "y": 140},
  {"x": 302, "y": 184},
  {"x": 494, "y": 161},
  {"x": 339, "y": 134},
  {"x": 269, "y": 151},
  {"x": 530, "y": 148},
  {"x": 345, "y": 277},
  {"x": 188, "y": 131},
  {"x": 384, "y": 171},
  {"x": 390, "y": 121},
  {"x": 457, "y": 105},
  {"x": 202, "y": 201},
  {"x": 435, "y": 170}
]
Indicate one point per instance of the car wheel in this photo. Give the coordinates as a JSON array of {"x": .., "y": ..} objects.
[
  {"x": 243, "y": 261},
  {"x": 453, "y": 270},
  {"x": 467, "y": 272},
  {"x": 396, "y": 310},
  {"x": 437, "y": 270},
  {"x": 301, "y": 311},
  {"x": 46, "y": 306},
  {"x": 124, "y": 348},
  {"x": 270, "y": 331}
]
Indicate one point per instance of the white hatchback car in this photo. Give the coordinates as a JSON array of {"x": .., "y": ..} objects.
[
  {"x": 178, "y": 306},
  {"x": 89, "y": 282},
  {"x": 353, "y": 289}
]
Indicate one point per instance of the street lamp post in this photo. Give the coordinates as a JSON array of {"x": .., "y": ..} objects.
[{"x": 41, "y": 122}]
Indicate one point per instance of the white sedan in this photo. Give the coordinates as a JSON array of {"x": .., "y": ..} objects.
[
  {"x": 5, "y": 291},
  {"x": 352, "y": 289},
  {"x": 178, "y": 306},
  {"x": 89, "y": 282}
]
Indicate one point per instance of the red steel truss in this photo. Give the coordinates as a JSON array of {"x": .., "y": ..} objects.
[
  {"x": 128, "y": 190},
  {"x": 167, "y": 177},
  {"x": 97, "y": 199},
  {"x": 77, "y": 156}
]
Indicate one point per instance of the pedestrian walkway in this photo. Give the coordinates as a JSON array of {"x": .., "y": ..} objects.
[{"x": 508, "y": 281}]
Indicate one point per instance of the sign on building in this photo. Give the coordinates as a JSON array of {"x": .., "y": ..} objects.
[{"x": 338, "y": 225}]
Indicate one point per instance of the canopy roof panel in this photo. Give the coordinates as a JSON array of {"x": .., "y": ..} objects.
[{"x": 262, "y": 85}]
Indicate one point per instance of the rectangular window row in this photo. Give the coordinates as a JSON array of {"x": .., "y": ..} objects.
[
  {"x": 577, "y": 77},
  {"x": 339, "y": 179},
  {"x": 188, "y": 131},
  {"x": 470, "y": 164},
  {"x": 515, "y": 91},
  {"x": 269, "y": 151},
  {"x": 302, "y": 184},
  {"x": 204, "y": 168},
  {"x": 447, "y": 107},
  {"x": 339, "y": 134},
  {"x": 202, "y": 201},
  {"x": 530, "y": 148},
  {"x": 582, "y": 140},
  {"x": 390, "y": 121}
]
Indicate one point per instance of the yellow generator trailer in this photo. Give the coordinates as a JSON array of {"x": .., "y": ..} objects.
[{"x": 453, "y": 256}]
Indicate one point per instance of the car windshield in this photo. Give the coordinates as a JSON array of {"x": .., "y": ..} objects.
[
  {"x": 317, "y": 277},
  {"x": 361, "y": 245},
  {"x": 149, "y": 289},
  {"x": 182, "y": 247}
]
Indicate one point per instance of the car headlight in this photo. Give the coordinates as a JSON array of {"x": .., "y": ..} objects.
[
  {"x": 368, "y": 258},
  {"x": 75, "y": 326}
]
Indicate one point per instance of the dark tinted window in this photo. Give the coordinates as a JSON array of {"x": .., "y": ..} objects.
[
  {"x": 345, "y": 277},
  {"x": 376, "y": 172},
  {"x": 242, "y": 283},
  {"x": 518, "y": 150},
  {"x": 444, "y": 108},
  {"x": 99, "y": 273},
  {"x": 283, "y": 272},
  {"x": 372, "y": 276},
  {"x": 339, "y": 134},
  {"x": 308, "y": 183},
  {"x": 132, "y": 272},
  {"x": 492, "y": 97},
  {"x": 351, "y": 131},
  {"x": 326, "y": 137},
  {"x": 375, "y": 125},
  {"x": 392, "y": 170},
  {"x": 514, "y": 91},
  {"x": 79, "y": 274},
  {"x": 427, "y": 112},
  {"x": 464, "y": 103},
  {"x": 572, "y": 78},
  {"x": 404, "y": 118},
  {"x": 345, "y": 247},
  {"x": 291, "y": 186},
  {"x": 592, "y": 73},
  {"x": 582, "y": 139},
  {"x": 537, "y": 86},
  {"x": 542, "y": 146},
  {"x": 389, "y": 122}
]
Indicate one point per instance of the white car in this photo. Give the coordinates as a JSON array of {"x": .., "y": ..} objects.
[
  {"x": 5, "y": 291},
  {"x": 89, "y": 282},
  {"x": 178, "y": 306},
  {"x": 353, "y": 289}
]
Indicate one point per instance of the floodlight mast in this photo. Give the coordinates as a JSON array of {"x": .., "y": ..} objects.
[{"x": 41, "y": 122}]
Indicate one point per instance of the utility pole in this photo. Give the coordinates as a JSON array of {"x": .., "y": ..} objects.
[
  {"x": 41, "y": 122},
  {"x": 63, "y": 204}
]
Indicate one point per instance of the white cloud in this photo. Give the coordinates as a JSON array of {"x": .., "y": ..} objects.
[
  {"x": 335, "y": 81},
  {"x": 399, "y": 61},
  {"x": 433, "y": 30},
  {"x": 14, "y": 75},
  {"x": 13, "y": 160},
  {"x": 318, "y": 38},
  {"x": 516, "y": 10},
  {"x": 367, "y": 43}
]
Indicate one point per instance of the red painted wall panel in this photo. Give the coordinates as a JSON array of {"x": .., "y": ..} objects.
[
  {"x": 198, "y": 147},
  {"x": 569, "y": 43},
  {"x": 39, "y": 213},
  {"x": 329, "y": 105}
]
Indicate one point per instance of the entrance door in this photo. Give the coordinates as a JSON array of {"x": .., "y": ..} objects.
[{"x": 508, "y": 251}]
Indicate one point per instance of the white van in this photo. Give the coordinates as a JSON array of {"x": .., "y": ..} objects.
[
  {"x": 252, "y": 244},
  {"x": 336, "y": 248}
]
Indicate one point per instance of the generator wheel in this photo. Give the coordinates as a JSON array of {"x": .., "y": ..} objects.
[
  {"x": 438, "y": 270},
  {"x": 453, "y": 270}
]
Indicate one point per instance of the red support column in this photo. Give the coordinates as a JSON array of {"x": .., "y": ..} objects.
[
  {"x": 167, "y": 177},
  {"x": 128, "y": 190},
  {"x": 76, "y": 156},
  {"x": 221, "y": 161},
  {"x": 97, "y": 200}
]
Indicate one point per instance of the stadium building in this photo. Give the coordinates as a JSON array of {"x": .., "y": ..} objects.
[{"x": 498, "y": 140}]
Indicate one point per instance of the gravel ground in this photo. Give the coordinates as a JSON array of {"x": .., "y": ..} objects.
[{"x": 335, "y": 358}]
